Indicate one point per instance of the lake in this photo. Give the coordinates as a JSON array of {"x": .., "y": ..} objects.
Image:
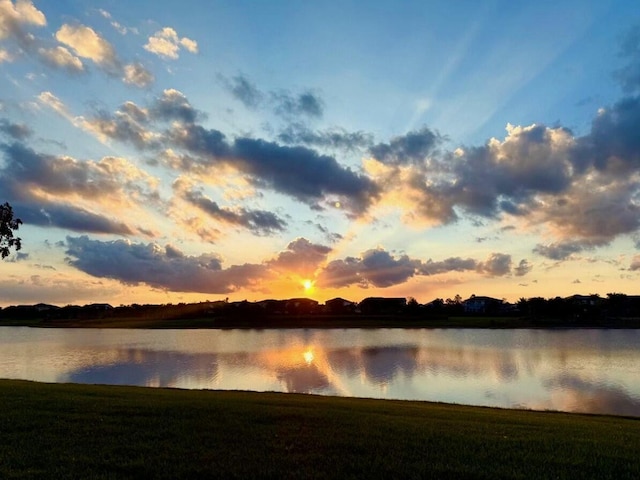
[{"x": 590, "y": 370}]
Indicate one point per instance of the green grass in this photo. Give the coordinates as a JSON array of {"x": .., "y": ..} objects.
[{"x": 79, "y": 431}]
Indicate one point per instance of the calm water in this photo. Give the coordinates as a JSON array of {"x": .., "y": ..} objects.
[{"x": 571, "y": 370}]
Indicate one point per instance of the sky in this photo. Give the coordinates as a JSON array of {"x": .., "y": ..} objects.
[{"x": 165, "y": 152}]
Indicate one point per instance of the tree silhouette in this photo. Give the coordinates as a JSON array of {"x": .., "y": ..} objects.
[{"x": 8, "y": 225}]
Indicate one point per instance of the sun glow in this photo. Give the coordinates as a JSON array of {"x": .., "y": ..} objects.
[
  {"x": 308, "y": 285},
  {"x": 308, "y": 356}
]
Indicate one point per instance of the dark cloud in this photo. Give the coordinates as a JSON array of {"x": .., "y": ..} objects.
[
  {"x": 303, "y": 173},
  {"x": 258, "y": 221},
  {"x": 70, "y": 217},
  {"x": 558, "y": 251},
  {"x": 341, "y": 273},
  {"x": 125, "y": 125},
  {"x": 27, "y": 173},
  {"x": 453, "y": 264},
  {"x": 411, "y": 148},
  {"x": 582, "y": 188},
  {"x": 305, "y": 104},
  {"x": 283, "y": 103},
  {"x": 137, "y": 74},
  {"x": 497, "y": 265},
  {"x": 243, "y": 90},
  {"x": 27, "y": 168},
  {"x": 159, "y": 267},
  {"x": 173, "y": 105},
  {"x": 594, "y": 213},
  {"x": 301, "y": 256},
  {"x": 17, "y": 131},
  {"x": 629, "y": 75},
  {"x": 332, "y": 237},
  {"x": 375, "y": 267},
  {"x": 613, "y": 145},
  {"x": 299, "y": 172},
  {"x": 136, "y": 113},
  {"x": 378, "y": 268},
  {"x": 212, "y": 144},
  {"x": 335, "y": 138},
  {"x": 523, "y": 268}
]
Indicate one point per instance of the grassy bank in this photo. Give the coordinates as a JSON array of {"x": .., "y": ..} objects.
[{"x": 75, "y": 431}]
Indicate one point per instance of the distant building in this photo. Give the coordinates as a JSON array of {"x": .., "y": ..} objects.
[
  {"x": 273, "y": 307},
  {"x": 301, "y": 306},
  {"x": 340, "y": 306},
  {"x": 479, "y": 304},
  {"x": 382, "y": 305}
]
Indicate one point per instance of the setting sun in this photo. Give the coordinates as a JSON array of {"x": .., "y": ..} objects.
[
  {"x": 308, "y": 356},
  {"x": 308, "y": 285}
]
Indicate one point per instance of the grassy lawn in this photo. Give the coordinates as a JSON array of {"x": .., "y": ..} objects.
[{"x": 77, "y": 431}]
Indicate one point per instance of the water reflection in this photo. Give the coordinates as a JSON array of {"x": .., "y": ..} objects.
[
  {"x": 147, "y": 367},
  {"x": 585, "y": 371}
]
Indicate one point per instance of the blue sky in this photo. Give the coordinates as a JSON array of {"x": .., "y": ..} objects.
[{"x": 163, "y": 152}]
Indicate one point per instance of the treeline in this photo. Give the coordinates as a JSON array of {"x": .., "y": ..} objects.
[{"x": 574, "y": 310}]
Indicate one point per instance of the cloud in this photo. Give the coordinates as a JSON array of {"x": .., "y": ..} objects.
[
  {"x": 173, "y": 105},
  {"x": 562, "y": 250},
  {"x": 375, "y": 267},
  {"x": 243, "y": 90},
  {"x": 582, "y": 189},
  {"x": 129, "y": 124},
  {"x": 167, "y": 44},
  {"x": 635, "y": 263},
  {"x": 16, "y": 17},
  {"x": 136, "y": 74},
  {"x": 60, "y": 191},
  {"x": 411, "y": 148},
  {"x": 86, "y": 43},
  {"x": 523, "y": 268},
  {"x": 5, "y": 56},
  {"x": 302, "y": 173},
  {"x": 299, "y": 172},
  {"x": 336, "y": 138},
  {"x": 60, "y": 57},
  {"x": 629, "y": 75},
  {"x": 497, "y": 265},
  {"x": 17, "y": 131},
  {"x": 301, "y": 256},
  {"x": 167, "y": 267},
  {"x": 66, "y": 216},
  {"x": 282, "y": 102},
  {"x": 159, "y": 267},
  {"x": 260, "y": 222},
  {"x": 304, "y": 104},
  {"x": 453, "y": 264},
  {"x": 379, "y": 268},
  {"x": 122, "y": 30},
  {"x": 54, "y": 103}
]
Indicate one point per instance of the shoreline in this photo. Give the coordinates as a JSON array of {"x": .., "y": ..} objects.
[{"x": 325, "y": 322}]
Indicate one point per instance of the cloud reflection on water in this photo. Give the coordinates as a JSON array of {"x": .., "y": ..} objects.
[{"x": 521, "y": 369}]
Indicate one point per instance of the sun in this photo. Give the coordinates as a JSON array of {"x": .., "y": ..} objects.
[
  {"x": 308, "y": 356},
  {"x": 308, "y": 285}
]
